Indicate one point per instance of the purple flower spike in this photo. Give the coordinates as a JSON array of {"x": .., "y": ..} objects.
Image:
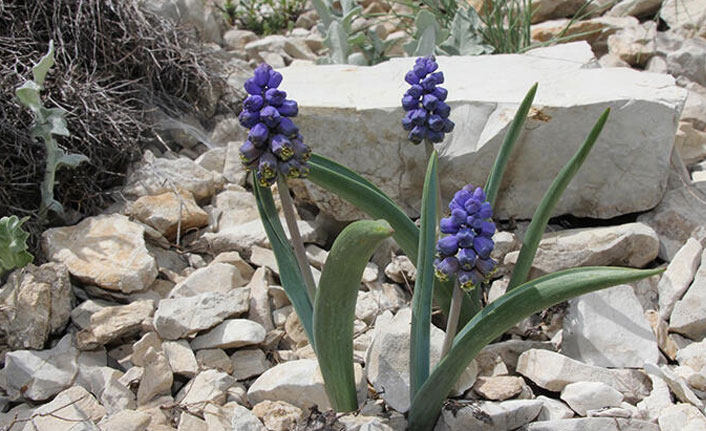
[
  {"x": 426, "y": 100},
  {"x": 446, "y": 267},
  {"x": 274, "y": 146},
  {"x": 469, "y": 239}
]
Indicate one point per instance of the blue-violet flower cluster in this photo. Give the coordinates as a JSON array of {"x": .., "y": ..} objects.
[
  {"x": 427, "y": 117},
  {"x": 465, "y": 250},
  {"x": 274, "y": 145}
]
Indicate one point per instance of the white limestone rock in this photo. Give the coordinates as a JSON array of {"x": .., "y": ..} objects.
[
  {"x": 593, "y": 424},
  {"x": 681, "y": 417},
  {"x": 260, "y": 311},
  {"x": 490, "y": 416},
  {"x": 104, "y": 384},
  {"x": 180, "y": 317},
  {"x": 632, "y": 244},
  {"x": 387, "y": 359},
  {"x": 160, "y": 175},
  {"x": 40, "y": 374},
  {"x": 689, "y": 315},
  {"x": 245, "y": 420},
  {"x": 169, "y": 212},
  {"x": 678, "y": 386},
  {"x": 107, "y": 251},
  {"x": 678, "y": 276},
  {"x": 216, "y": 359},
  {"x": 498, "y": 388},
  {"x": 607, "y": 328},
  {"x": 230, "y": 333},
  {"x": 209, "y": 386},
  {"x": 127, "y": 420},
  {"x": 181, "y": 358},
  {"x": 216, "y": 277},
  {"x": 299, "y": 383},
  {"x": 693, "y": 355},
  {"x": 35, "y": 303},
  {"x": 347, "y": 102},
  {"x": 553, "y": 371},
  {"x": 157, "y": 377},
  {"x": 111, "y": 323},
  {"x": 248, "y": 363},
  {"x": 687, "y": 14},
  {"x": 67, "y": 412},
  {"x": 583, "y": 396},
  {"x": 278, "y": 415},
  {"x": 553, "y": 409}
]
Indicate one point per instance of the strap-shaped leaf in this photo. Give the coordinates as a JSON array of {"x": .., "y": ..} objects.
[
  {"x": 40, "y": 70},
  {"x": 334, "y": 309},
  {"x": 363, "y": 194},
  {"x": 544, "y": 211},
  {"x": 289, "y": 273},
  {"x": 492, "y": 186},
  {"x": 424, "y": 285},
  {"x": 501, "y": 315}
]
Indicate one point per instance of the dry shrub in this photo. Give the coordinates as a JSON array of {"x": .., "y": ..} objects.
[{"x": 115, "y": 66}]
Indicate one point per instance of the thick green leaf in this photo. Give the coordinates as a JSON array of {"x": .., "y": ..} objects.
[
  {"x": 544, "y": 211},
  {"x": 71, "y": 160},
  {"x": 501, "y": 315},
  {"x": 334, "y": 309},
  {"x": 28, "y": 95},
  {"x": 363, "y": 194},
  {"x": 337, "y": 42},
  {"x": 424, "y": 285},
  {"x": 492, "y": 186},
  {"x": 465, "y": 39},
  {"x": 428, "y": 33},
  {"x": 289, "y": 273},
  {"x": 324, "y": 13},
  {"x": 41, "y": 69},
  {"x": 13, "y": 244}
]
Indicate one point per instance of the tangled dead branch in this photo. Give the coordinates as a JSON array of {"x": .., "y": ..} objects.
[{"x": 116, "y": 65}]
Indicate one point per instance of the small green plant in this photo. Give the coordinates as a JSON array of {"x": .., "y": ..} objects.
[
  {"x": 263, "y": 17},
  {"x": 346, "y": 45},
  {"x": 13, "y": 244},
  {"x": 48, "y": 122}
]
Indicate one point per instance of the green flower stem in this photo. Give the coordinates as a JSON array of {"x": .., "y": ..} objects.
[
  {"x": 452, "y": 322},
  {"x": 297, "y": 243}
]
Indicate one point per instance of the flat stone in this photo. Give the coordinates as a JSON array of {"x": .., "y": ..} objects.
[
  {"x": 553, "y": 371},
  {"x": 678, "y": 276},
  {"x": 126, "y": 420},
  {"x": 104, "y": 383},
  {"x": 690, "y": 143},
  {"x": 248, "y": 363},
  {"x": 593, "y": 424},
  {"x": 216, "y": 277},
  {"x": 583, "y": 396},
  {"x": 677, "y": 385},
  {"x": 230, "y": 333},
  {"x": 498, "y": 388},
  {"x": 260, "y": 311},
  {"x": 278, "y": 415},
  {"x": 681, "y": 417},
  {"x": 387, "y": 359},
  {"x": 181, "y": 317},
  {"x": 208, "y": 386},
  {"x": 299, "y": 383},
  {"x": 553, "y": 409},
  {"x": 81, "y": 314},
  {"x": 242, "y": 237},
  {"x": 571, "y": 95},
  {"x": 68, "y": 409},
  {"x": 189, "y": 422},
  {"x": 213, "y": 159},
  {"x": 107, "y": 251},
  {"x": 607, "y": 328},
  {"x": 234, "y": 207},
  {"x": 181, "y": 358},
  {"x": 693, "y": 355},
  {"x": 35, "y": 303},
  {"x": 490, "y": 416},
  {"x": 40, "y": 374},
  {"x": 216, "y": 359},
  {"x": 233, "y": 170},
  {"x": 689, "y": 315},
  {"x": 169, "y": 212},
  {"x": 634, "y": 44},
  {"x": 634, "y": 7},
  {"x": 684, "y": 13},
  {"x": 114, "y": 322},
  {"x": 632, "y": 244},
  {"x": 595, "y": 30},
  {"x": 160, "y": 175},
  {"x": 236, "y": 39}
]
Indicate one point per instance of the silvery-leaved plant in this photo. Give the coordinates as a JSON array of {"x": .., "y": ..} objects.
[
  {"x": 451, "y": 248},
  {"x": 13, "y": 244}
]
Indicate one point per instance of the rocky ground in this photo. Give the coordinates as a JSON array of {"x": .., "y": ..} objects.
[{"x": 165, "y": 313}]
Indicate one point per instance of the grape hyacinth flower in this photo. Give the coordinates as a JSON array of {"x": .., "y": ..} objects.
[
  {"x": 427, "y": 117},
  {"x": 465, "y": 250},
  {"x": 274, "y": 145}
]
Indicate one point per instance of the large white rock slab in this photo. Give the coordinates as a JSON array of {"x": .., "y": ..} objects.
[
  {"x": 107, "y": 251},
  {"x": 353, "y": 114},
  {"x": 230, "y": 334},
  {"x": 607, "y": 328}
]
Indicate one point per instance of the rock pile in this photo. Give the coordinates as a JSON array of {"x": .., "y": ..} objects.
[{"x": 166, "y": 312}]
